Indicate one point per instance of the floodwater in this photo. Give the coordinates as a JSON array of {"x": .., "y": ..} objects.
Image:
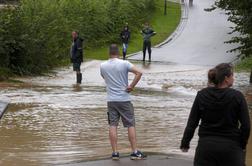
[{"x": 51, "y": 121}]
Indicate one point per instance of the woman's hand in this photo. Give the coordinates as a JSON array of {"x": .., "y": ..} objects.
[{"x": 184, "y": 150}]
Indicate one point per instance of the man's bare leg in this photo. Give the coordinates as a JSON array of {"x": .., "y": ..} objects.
[
  {"x": 113, "y": 137},
  {"x": 132, "y": 138}
]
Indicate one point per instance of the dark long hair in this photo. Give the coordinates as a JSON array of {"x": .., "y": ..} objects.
[{"x": 217, "y": 74}]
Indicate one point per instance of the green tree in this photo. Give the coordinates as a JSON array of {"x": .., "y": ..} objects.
[{"x": 240, "y": 13}]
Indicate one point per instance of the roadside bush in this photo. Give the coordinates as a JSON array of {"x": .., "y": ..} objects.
[{"x": 35, "y": 35}]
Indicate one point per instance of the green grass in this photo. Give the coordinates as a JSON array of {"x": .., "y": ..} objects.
[
  {"x": 164, "y": 25},
  {"x": 244, "y": 65}
]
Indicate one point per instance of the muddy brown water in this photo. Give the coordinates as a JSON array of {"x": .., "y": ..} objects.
[{"x": 52, "y": 121}]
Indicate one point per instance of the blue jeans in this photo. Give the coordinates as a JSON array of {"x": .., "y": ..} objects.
[{"x": 125, "y": 46}]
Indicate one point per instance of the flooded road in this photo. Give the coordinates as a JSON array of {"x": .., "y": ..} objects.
[{"x": 52, "y": 121}]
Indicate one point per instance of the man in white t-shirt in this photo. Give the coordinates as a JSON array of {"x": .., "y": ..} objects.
[{"x": 115, "y": 73}]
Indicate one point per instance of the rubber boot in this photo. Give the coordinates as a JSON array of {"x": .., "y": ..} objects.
[
  {"x": 143, "y": 56},
  {"x": 124, "y": 55},
  {"x": 79, "y": 78},
  {"x": 149, "y": 57}
]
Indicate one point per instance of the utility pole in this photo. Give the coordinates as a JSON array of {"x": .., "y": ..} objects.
[{"x": 165, "y": 6}]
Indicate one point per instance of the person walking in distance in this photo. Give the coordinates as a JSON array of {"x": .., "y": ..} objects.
[
  {"x": 147, "y": 33},
  {"x": 77, "y": 55},
  {"x": 224, "y": 121},
  {"x": 115, "y": 73},
  {"x": 125, "y": 36}
]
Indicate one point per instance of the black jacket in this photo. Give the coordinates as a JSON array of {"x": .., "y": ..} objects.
[
  {"x": 77, "y": 51},
  {"x": 125, "y": 36},
  {"x": 223, "y": 113}
]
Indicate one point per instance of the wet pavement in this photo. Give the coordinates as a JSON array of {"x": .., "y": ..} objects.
[
  {"x": 199, "y": 39},
  {"x": 53, "y": 121},
  {"x": 158, "y": 160}
]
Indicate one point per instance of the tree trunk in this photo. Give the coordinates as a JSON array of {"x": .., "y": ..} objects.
[{"x": 250, "y": 81}]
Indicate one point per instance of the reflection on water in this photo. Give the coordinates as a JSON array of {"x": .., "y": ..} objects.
[{"x": 51, "y": 121}]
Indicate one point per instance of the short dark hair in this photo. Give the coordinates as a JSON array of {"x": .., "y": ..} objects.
[{"x": 113, "y": 49}]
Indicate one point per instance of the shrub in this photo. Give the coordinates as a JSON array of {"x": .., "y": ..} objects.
[{"x": 35, "y": 34}]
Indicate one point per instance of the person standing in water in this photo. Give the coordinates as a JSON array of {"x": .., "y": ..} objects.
[
  {"x": 224, "y": 121},
  {"x": 77, "y": 55},
  {"x": 115, "y": 73}
]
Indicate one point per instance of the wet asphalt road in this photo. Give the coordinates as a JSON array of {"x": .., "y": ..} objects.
[{"x": 199, "y": 39}]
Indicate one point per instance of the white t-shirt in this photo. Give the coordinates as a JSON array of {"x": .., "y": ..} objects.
[{"x": 115, "y": 73}]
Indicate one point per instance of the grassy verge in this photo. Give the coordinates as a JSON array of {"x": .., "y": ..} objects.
[
  {"x": 244, "y": 65},
  {"x": 164, "y": 25}
]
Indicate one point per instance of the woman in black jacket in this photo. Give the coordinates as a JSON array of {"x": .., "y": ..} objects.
[
  {"x": 125, "y": 36},
  {"x": 224, "y": 122}
]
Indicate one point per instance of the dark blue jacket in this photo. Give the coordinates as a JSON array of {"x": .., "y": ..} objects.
[
  {"x": 77, "y": 51},
  {"x": 125, "y": 36}
]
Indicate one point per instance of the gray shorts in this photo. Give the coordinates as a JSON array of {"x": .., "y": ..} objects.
[{"x": 124, "y": 110}]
